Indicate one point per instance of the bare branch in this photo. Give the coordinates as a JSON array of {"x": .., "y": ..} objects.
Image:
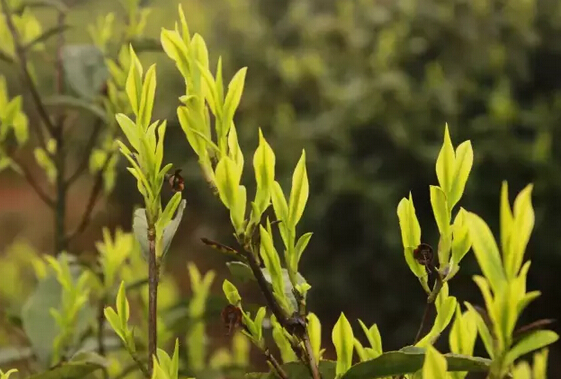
[
  {"x": 87, "y": 152},
  {"x": 30, "y": 178},
  {"x": 96, "y": 189}
]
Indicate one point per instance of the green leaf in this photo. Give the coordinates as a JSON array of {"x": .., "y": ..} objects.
[
  {"x": 264, "y": 166},
  {"x": 243, "y": 273},
  {"x": 140, "y": 228},
  {"x": 484, "y": 331},
  {"x": 38, "y": 324},
  {"x": 506, "y": 219},
  {"x": 84, "y": 69},
  {"x": 374, "y": 338},
  {"x": 314, "y": 331},
  {"x": 133, "y": 86},
  {"x": 463, "y": 332},
  {"x": 410, "y": 234},
  {"x": 299, "y": 192},
  {"x": 440, "y": 209},
  {"x": 129, "y": 129},
  {"x": 259, "y": 322},
  {"x": 445, "y": 164},
  {"x": 80, "y": 366},
  {"x": 176, "y": 49},
  {"x": 234, "y": 95},
  {"x": 533, "y": 341},
  {"x": 231, "y": 293},
  {"x": 463, "y": 165},
  {"x": 442, "y": 217},
  {"x": 409, "y": 361},
  {"x": 522, "y": 226},
  {"x": 343, "y": 340},
  {"x": 123, "y": 309},
  {"x": 301, "y": 245},
  {"x": 461, "y": 242},
  {"x": 147, "y": 97},
  {"x": 228, "y": 180},
  {"x": 486, "y": 251},
  {"x": 66, "y": 101},
  {"x": 271, "y": 260},
  {"x": 113, "y": 318},
  {"x": 282, "y": 342},
  {"x": 297, "y": 370},
  {"x": 434, "y": 366},
  {"x": 240, "y": 271}
]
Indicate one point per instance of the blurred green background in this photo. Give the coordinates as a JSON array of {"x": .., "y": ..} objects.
[{"x": 366, "y": 87}]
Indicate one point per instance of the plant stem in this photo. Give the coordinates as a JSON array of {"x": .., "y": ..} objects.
[
  {"x": 430, "y": 308},
  {"x": 100, "y": 326},
  {"x": 153, "y": 273},
  {"x": 140, "y": 364},
  {"x": 94, "y": 195},
  {"x": 31, "y": 181},
  {"x": 311, "y": 359},
  {"x": 278, "y": 368},
  {"x": 59, "y": 159},
  {"x": 264, "y": 286}
]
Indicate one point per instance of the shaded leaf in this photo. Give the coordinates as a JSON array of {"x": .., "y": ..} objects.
[
  {"x": 408, "y": 361},
  {"x": 85, "y": 70}
]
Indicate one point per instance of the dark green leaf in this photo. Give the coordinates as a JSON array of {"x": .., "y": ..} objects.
[
  {"x": 85, "y": 70},
  {"x": 410, "y": 360},
  {"x": 74, "y": 102},
  {"x": 296, "y": 370}
]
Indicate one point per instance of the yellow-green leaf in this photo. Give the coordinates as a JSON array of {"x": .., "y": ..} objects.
[
  {"x": 534, "y": 341},
  {"x": 506, "y": 219},
  {"x": 299, "y": 192},
  {"x": 147, "y": 97},
  {"x": 522, "y": 226},
  {"x": 231, "y": 293},
  {"x": 463, "y": 164},
  {"x": 343, "y": 340},
  {"x": 314, "y": 331},
  {"x": 445, "y": 163},
  {"x": 234, "y": 95},
  {"x": 227, "y": 181},
  {"x": 434, "y": 366},
  {"x": 486, "y": 251},
  {"x": 410, "y": 234}
]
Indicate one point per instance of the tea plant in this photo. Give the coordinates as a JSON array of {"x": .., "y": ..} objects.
[{"x": 72, "y": 296}]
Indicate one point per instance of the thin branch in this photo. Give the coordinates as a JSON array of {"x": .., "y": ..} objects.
[
  {"x": 153, "y": 274},
  {"x": 430, "y": 308},
  {"x": 100, "y": 327},
  {"x": 276, "y": 365},
  {"x": 31, "y": 180},
  {"x": 264, "y": 286},
  {"x": 87, "y": 152},
  {"x": 96, "y": 189},
  {"x": 27, "y": 79}
]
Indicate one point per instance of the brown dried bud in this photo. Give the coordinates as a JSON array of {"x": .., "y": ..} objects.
[
  {"x": 176, "y": 181},
  {"x": 424, "y": 254},
  {"x": 232, "y": 317}
]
